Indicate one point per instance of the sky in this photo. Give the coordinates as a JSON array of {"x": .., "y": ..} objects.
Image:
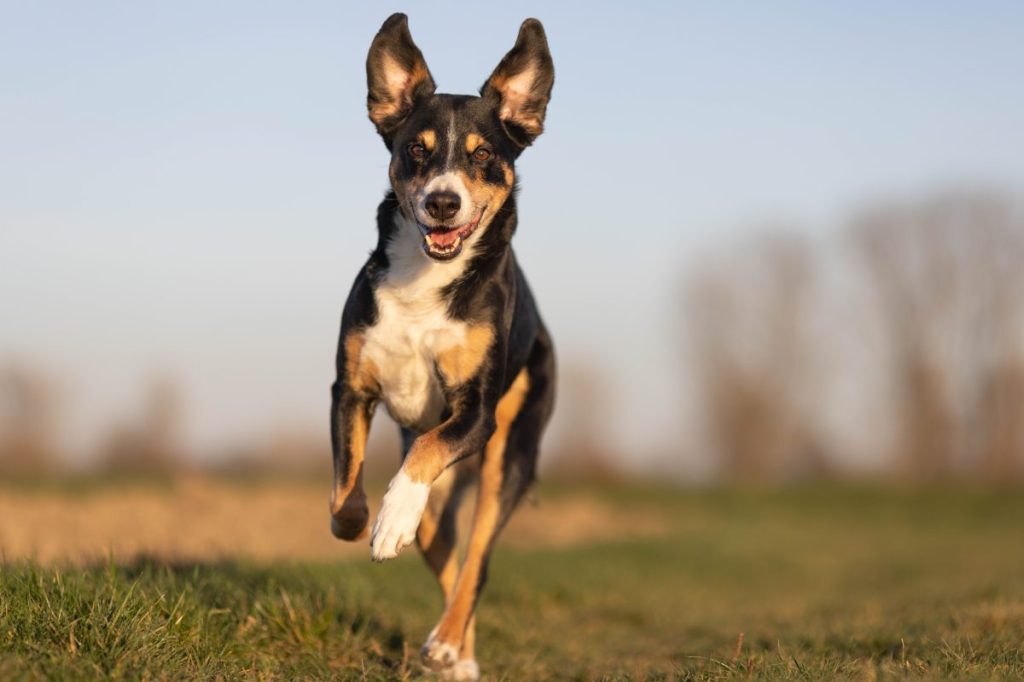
[{"x": 188, "y": 188}]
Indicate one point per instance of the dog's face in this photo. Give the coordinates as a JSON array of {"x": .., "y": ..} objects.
[{"x": 452, "y": 156}]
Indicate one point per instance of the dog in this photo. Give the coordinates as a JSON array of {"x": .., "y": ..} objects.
[{"x": 441, "y": 327}]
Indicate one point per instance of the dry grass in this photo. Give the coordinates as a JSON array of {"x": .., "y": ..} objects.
[
  {"x": 800, "y": 584},
  {"x": 206, "y": 519}
]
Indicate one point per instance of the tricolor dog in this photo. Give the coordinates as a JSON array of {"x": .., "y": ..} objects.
[{"x": 441, "y": 327}]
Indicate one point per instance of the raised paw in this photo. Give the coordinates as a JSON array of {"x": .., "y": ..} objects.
[
  {"x": 399, "y": 517},
  {"x": 349, "y": 521}
]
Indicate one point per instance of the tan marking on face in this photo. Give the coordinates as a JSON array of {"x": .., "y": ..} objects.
[
  {"x": 472, "y": 142},
  {"x": 428, "y": 138},
  {"x": 453, "y": 626},
  {"x": 510, "y": 176},
  {"x": 485, "y": 194},
  {"x": 459, "y": 364}
]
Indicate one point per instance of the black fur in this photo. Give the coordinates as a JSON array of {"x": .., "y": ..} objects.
[{"x": 491, "y": 291}]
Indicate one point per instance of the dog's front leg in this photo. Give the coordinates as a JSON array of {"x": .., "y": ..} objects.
[
  {"x": 465, "y": 433},
  {"x": 350, "y": 420}
]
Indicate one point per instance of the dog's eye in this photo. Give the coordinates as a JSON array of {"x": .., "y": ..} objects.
[
  {"x": 482, "y": 154},
  {"x": 417, "y": 151}
]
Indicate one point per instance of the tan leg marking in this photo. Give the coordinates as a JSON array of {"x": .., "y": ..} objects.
[
  {"x": 439, "y": 553},
  {"x": 349, "y": 511},
  {"x": 360, "y": 372},
  {"x": 427, "y": 458},
  {"x": 468, "y": 640},
  {"x": 449, "y": 635}
]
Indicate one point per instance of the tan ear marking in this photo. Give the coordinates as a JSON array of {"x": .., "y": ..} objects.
[
  {"x": 515, "y": 98},
  {"x": 398, "y": 85},
  {"x": 395, "y": 76}
]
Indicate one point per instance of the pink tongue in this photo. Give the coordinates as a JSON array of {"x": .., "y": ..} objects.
[{"x": 444, "y": 238}]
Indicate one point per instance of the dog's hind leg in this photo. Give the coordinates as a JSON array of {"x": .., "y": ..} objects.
[
  {"x": 437, "y": 540},
  {"x": 436, "y": 535},
  {"x": 506, "y": 472}
]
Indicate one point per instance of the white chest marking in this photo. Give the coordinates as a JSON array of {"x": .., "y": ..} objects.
[{"x": 412, "y": 328}]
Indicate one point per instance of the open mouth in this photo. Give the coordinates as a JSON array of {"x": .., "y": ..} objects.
[{"x": 445, "y": 243}]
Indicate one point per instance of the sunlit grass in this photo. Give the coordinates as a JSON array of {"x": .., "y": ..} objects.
[{"x": 815, "y": 583}]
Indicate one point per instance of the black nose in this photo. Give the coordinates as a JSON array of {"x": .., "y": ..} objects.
[{"x": 442, "y": 205}]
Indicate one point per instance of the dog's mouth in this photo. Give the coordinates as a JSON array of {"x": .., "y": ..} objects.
[{"x": 445, "y": 243}]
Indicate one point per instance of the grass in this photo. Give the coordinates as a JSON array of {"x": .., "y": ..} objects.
[{"x": 807, "y": 583}]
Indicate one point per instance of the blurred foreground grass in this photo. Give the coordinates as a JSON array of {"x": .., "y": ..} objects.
[{"x": 805, "y": 583}]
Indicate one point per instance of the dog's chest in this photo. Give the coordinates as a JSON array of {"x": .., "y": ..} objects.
[{"x": 412, "y": 329}]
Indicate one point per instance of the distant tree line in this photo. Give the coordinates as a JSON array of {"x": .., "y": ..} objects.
[{"x": 907, "y": 327}]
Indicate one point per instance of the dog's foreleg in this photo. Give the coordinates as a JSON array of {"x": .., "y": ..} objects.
[
  {"x": 465, "y": 433},
  {"x": 351, "y": 407},
  {"x": 350, "y": 418},
  {"x": 471, "y": 375},
  {"x": 352, "y": 399},
  {"x": 406, "y": 497}
]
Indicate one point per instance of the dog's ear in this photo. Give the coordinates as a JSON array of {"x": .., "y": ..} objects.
[
  {"x": 521, "y": 85},
  {"x": 396, "y": 76}
]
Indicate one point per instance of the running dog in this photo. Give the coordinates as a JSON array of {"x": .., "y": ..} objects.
[{"x": 440, "y": 325}]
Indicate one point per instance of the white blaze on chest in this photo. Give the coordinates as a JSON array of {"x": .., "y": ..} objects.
[{"x": 412, "y": 328}]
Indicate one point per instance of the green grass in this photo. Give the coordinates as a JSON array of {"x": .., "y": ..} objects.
[{"x": 823, "y": 583}]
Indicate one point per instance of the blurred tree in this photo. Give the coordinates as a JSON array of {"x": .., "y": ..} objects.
[
  {"x": 747, "y": 315},
  {"x": 580, "y": 430},
  {"x": 153, "y": 442},
  {"x": 28, "y": 421},
  {"x": 947, "y": 275}
]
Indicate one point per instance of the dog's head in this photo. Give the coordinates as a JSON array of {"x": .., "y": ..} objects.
[{"x": 453, "y": 156}]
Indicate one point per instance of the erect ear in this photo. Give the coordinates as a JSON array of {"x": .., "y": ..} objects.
[
  {"x": 521, "y": 85},
  {"x": 396, "y": 76}
]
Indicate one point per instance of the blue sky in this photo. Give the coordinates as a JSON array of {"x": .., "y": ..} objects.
[{"x": 188, "y": 187}]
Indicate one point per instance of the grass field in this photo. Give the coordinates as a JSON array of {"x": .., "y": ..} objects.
[{"x": 803, "y": 583}]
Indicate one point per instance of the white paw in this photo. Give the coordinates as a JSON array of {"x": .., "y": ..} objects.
[
  {"x": 465, "y": 670},
  {"x": 439, "y": 655},
  {"x": 399, "y": 517}
]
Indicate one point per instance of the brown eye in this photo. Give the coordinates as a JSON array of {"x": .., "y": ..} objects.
[
  {"x": 482, "y": 154},
  {"x": 417, "y": 151}
]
